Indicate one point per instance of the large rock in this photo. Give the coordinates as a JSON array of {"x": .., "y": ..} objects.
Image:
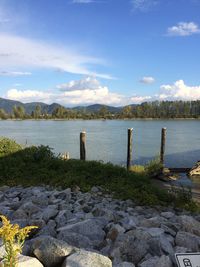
[
  {"x": 91, "y": 228},
  {"x": 163, "y": 261},
  {"x": 50, "y": 251},
  {"x": 189, "y": 224},
  {"x": 195, "y": 170},
  {"x": 25, "y": 261},
  {"x": 75, "y": 239},
  {"x": 85, "y": 258},
  {"x": 124, "y": 264},
  {"x": 187, "y": 240}
]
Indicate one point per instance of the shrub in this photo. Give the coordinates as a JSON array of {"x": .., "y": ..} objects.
[
  {"x": 154, "y": 167},
  {"x": 13, "y": 239},
  {"x": 8, "y": 146},
  {"x": 138, "y": 169}
]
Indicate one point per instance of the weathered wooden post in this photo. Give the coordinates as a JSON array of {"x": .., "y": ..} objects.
[
  {"x": 82, "y": 146},
  {"x": 129, "y": 148},
  {"x": 162, "y": 148}
]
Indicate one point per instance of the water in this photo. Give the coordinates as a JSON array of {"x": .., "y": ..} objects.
[{"x": 107, "y": 140}]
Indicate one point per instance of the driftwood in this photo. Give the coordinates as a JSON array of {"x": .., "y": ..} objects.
[{"x": 195, "y": 170}]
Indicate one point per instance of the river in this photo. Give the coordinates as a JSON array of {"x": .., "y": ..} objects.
[{"x": 107, "y": 140}]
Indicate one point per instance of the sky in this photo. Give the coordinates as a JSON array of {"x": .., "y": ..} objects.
[{"x": 113, "y": 52}]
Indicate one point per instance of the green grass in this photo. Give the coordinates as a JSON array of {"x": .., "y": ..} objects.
[{"x": 35, "y": 166}]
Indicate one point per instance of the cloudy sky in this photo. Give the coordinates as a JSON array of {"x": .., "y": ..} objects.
[{"x": 115, "y": 52}]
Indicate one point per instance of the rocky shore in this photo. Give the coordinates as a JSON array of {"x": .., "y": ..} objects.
[{"x": 92, "y": 229}]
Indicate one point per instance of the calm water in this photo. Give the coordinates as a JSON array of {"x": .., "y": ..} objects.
[{"x": 107, "y": 140}]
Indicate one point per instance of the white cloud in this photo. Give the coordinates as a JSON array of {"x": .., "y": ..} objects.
[
  {"x": 183, "y": 29},
  {"x": 85, "y": 91},
  {"x": 90, "y": 83},
  {"x": 143, "y": 5},
  {"x": 89, "y": 91},
  {"x": 29, "y": 95},
  {"x": 18, "y": 52},
  {"x": 179, "y": 91},
  {"x": 14, "y": 73},
  {"x": 147, "y": 80}
]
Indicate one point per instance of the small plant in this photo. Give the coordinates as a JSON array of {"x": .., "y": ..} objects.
[
  {"x": 154, "y": 167},
  {"x": 13, "y": 239},
  {"x": 138, "y": 169},
  {"x": 8, "y": 146}
]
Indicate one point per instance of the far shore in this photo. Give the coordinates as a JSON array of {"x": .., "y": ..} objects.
[{"x": 102, "y": 119}]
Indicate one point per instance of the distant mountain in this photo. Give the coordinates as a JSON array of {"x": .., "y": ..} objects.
[
  {"x": 8, "y": 105},
  {"x": 97, "y": 107}
]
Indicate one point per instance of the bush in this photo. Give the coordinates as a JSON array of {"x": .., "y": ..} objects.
[
  {"x": 8, "y": 146},
  {"x": 154, "y": 167},
  {"x": 138, "y": 169}
]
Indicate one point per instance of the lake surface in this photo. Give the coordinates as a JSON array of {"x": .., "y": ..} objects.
[{"x": 107, "y": 140}]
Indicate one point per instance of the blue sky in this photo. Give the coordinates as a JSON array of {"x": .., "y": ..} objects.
[{"x": 113, "y": 52}]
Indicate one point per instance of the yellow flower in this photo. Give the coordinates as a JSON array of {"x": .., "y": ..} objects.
[{"x": 13, "y": 239}]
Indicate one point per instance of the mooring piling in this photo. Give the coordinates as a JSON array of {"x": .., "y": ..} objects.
[
  {"x": 83, "y": 146},
  {"x": 163, "y": 142},
  {"x": 129, "y": 148}
]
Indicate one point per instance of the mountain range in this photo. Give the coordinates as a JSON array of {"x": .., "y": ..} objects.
[{"x": 8, "y": 105}]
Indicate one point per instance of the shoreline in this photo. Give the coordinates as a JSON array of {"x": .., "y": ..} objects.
[{"x": 102, "y": 119}]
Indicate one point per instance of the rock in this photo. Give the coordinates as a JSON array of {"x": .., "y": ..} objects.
[
  {"x": 91, "y": 228},
  {"x": 155, "y": 231},
  {"x": 125, "y": 264},
  {"x": 63, "y": 217},
  {"x": 50, "y": 212},
  {"x": 50, "y": 251},
  {"x": 114, "y": 232},
  {"x": 133, "y": 249},
  {"x": 25, "y": 261},
  {"x": 85, "y": 258},
  {"x": 75, "y": 239},
  {"x": 195, "y": 169},
  {"x": 163, "y": 261},
  {"x": 187, "y": 240},
  {"x": 167, "y": 214},
  {"x": 152, "y": 222},
  {"x": 48, "y": 229},
  {"x": 189, "y": 224}
]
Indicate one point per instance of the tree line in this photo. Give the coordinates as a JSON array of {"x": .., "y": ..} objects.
[{"x": 155, "y": 109}]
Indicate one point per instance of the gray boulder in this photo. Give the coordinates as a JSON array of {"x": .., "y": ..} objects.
[
  {"x": 187, "y": 240},
  {"x": 163, "y": 261},
  {"x": 25, "y": 261},
  {"x": 189, "y": 224},
  {"x": 85, "y": 258},
  {"x": 91, "y": 228},
  {"x": 50, "y": 251}
]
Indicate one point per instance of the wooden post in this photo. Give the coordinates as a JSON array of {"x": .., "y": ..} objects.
[
  {"x": 129, "y": 148},
  {"x": 82, "y": 145},
  {"x": 162, "y": 148}
]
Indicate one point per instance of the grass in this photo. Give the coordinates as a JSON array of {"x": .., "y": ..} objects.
[{"x": 35, "y": 166}]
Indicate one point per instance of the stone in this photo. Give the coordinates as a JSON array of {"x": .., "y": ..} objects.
[
  {"x": 154, "y": 222},
  {"x": 91, "y": 228},
  {"x": 154, "y": 232},
  {"x": 50, "y": 212},
  {"x": 167, "y": 214},
  {"x": 195, "y": 171},
  {"x": 163, "y": 261},
  {"x": 63, "y": 217},
  {"x": 85, "y": 258},
  {"x": 124, "y": 264},
  {"x": 75, "y": 239},
  {"x": 188, "y": 240},
  {"x": 189, "y": 224},
  {"x": 25, "y": 261},
  {"x": 50, "y": 251}
]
